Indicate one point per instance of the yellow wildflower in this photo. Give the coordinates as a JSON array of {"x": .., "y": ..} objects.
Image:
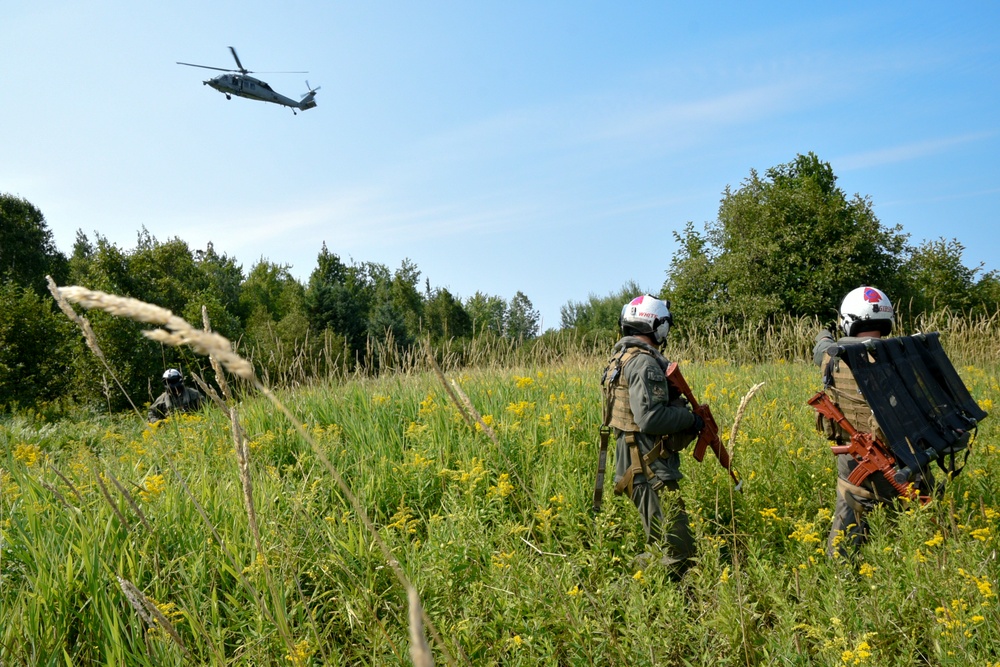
[
  {"x": 770, "y": 513},
  {"x": 427, "y": 406},
  {"x": 805, "y": 533},
  {"x": 301, "y": 653},
  {"x": 501, "y": 560},
  {"x": 488, "y": 420},
  {"x": 981, "y": 534},
  {"x": 29, "y": 454},
  {"x": 152, "y": 487},
  {"x": 403, "y": 520},
  {"x": 503, "y": 487},
  {"x": 520, "y": 408}
]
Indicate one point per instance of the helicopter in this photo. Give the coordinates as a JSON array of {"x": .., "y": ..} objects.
[{"x": 239, "y": 82}]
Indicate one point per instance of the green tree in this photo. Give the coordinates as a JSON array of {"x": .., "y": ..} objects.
[
  {"x": 522, "y": 318},
  {"x": 407, "y": 301},
  {"x": 223, "y": 277},
  {"x": 271, "y": 288},
  {"x": 27, "y": 251},
  {"x": 986, "y": 294},
  {"x": 36, "y": 346},
  {"x": 791, "y": 243},
  {"x": 169, "y": 275},
  {"x": 339, "y": 298},
  {"x": 937, "y": 278},
  {"x": 597, "y": 313},
  {"x": 488, "y": 314},
  {"x": 445, "y": 318}
]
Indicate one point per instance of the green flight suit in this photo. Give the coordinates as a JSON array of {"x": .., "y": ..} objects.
[
  {"x": 655, "y": 413},
  {"x": 187, "y": 400}
]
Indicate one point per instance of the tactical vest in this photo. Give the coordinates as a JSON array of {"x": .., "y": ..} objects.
[
  {"x": 845, "y": 393},
  {"x": 617, "y": 410}
]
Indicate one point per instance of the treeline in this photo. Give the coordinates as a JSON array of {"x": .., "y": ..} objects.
[
  {"x": 784, "y": 250},
  {"x": 791, "y": 244},
  {"x": 348, "y": 316}
]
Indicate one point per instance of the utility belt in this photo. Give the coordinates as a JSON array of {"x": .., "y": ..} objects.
[{"x": 639, "y": 464}]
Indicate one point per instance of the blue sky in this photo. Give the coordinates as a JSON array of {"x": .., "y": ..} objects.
[{"x": 546, "y": 147}]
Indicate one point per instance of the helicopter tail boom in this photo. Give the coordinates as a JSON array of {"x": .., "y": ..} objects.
[{"x": 308, "y": 101}]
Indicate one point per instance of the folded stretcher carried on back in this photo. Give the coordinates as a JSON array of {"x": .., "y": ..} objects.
[{"x": 922, "y": 406}]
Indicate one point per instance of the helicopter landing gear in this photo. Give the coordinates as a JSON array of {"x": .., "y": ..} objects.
[{"x": 228, "y": 96}]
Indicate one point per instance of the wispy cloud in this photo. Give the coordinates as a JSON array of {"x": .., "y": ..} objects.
[
  {"x": 906, "y": 152},
  {"x": 356, "y": 220},
  {"x": 731, "y": 108}
]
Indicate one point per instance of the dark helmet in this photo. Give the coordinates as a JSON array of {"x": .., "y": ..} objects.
[{"x": 172, "y": 378}]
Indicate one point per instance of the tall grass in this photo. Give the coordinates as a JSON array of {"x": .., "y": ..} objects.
[
  {"x": 129, "y": 544},
  {"x": 967, "y": 338},
  {"x": 497, "y": 537}
]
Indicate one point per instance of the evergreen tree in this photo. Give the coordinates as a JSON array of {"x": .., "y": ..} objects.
[{"x": 522, "y": 318}]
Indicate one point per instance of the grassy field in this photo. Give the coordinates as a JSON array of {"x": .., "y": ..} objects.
[{"x": 124, "y": 544}]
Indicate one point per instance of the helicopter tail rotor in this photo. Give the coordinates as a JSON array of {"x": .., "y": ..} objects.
[{"x": 308, "y": 100}]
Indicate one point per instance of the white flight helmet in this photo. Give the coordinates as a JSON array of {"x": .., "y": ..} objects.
[
  {"x": 646, "y": 315},
  {"x": 172, "y": 377},
  {"x": 866, "y": 309}
]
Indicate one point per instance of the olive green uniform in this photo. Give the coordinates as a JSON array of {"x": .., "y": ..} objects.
[
  {"x": 187, "y": 400},
  {"x": 850, "y": 525},
  {"x": 645, "y": 413}
]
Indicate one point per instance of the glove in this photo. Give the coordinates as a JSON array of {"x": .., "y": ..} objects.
[{"x": 697, "y": 426}]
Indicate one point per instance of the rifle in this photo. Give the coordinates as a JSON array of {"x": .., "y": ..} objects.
[
  {"x": 709, "y": 436},
  {"x": 870, "y": 453}
]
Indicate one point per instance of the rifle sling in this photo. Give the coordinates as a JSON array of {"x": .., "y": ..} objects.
[{"x": 602, "y": 462}]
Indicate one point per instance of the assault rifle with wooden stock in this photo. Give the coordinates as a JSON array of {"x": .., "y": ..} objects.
[
  {"x": 709, "y": 436},
  {"x": 872, "y": 456}
]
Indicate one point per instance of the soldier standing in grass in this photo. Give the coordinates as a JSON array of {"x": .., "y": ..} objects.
[
  {"x": 176, "y": 398},
  {"x": 651, "y": 423},
  {"x": 865, "y": 313}
]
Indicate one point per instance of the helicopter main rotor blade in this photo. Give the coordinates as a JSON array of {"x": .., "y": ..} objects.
[
  {"x": 205, "y": 67},
  {"x": 237, "y": 59},
  {"x": 278, "y": 72}
]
